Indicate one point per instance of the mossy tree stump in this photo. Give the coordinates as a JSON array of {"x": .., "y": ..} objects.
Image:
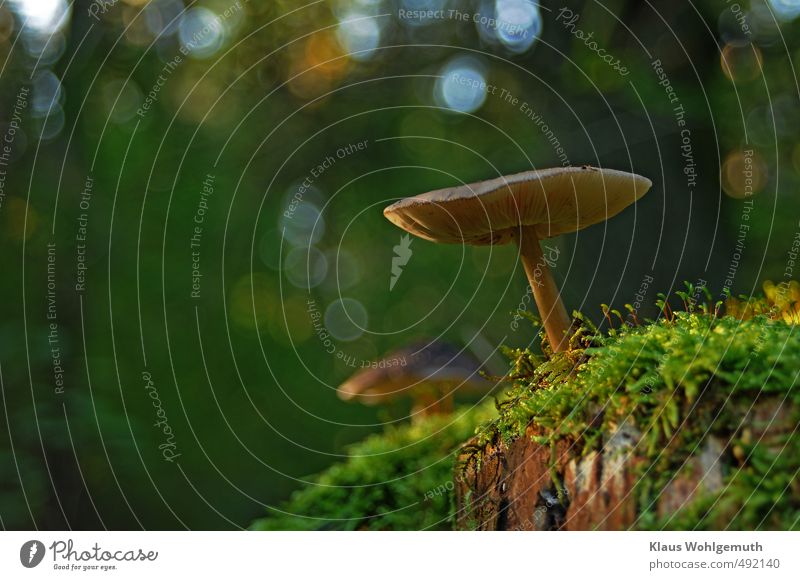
[
  {"x": 515, "y": 486},
  {"x": 690, "y": 422}
]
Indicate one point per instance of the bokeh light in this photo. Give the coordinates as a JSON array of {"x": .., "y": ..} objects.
[
  {"x": 519, "y": 24},
  {"x": 744, "y": 174},
  {"x": 305, "y": 267},
  {"x": 162, "y": 17},
  {"x": 21, "y": 220},
  {"x": 303, "y": 226},
  {"x": 765, "y": 28},
  {"x": 359, "y": 35},
  {"x": 46, "y": 49},
  {"x": 44, "y": 17},
  {"x": 47, "y": 93},
  {"x": 420, "y": 6},
  {"x": 121, "y": 99},
  {"x": 253, "y": 300},
  {"x": 761, "y": 126},
  {"x": 42, "y": 24},
  {"x": 785, "y": 9},
  {"x": 741, "y": 63},
  {"x": 346, "y": 319},
  {"x": 291, "y": 326},
  {"x": 48, "y": 126},
  {"x": 346, "y": 270},
  {"x": 6, "y": 24},
  {"x": 735, "y": 27},
  {"x": 201, "y": 32},
  {"x": 317, "y": 65},
  {"x": 461, "y": 86},
  {"x": 47, "y": 96}
]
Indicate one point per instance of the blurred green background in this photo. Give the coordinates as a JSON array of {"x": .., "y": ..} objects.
[{"x": 189, "y": 380}]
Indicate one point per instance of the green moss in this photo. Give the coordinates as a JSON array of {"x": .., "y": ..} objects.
[
  {"x": 678, "y": 380},
  {"x": 401, "y": 479},
  {"x": 689, "y": 376}
]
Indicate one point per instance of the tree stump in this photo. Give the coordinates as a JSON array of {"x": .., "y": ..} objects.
[{"x": 516, "y": 486}]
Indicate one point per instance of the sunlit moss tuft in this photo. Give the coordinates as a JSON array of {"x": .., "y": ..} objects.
[
  {"x": 685, "y": 377},
  {"x": 401, "y": 479}
]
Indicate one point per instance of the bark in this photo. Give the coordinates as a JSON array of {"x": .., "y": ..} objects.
[{"x": 511, "y": 487}]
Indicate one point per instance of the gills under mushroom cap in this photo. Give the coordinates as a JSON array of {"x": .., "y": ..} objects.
[{"x": 553, "y": 201}]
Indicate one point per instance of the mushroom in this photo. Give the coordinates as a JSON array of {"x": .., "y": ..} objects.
[
  {"x": 428, "y": 372},
  {"x": 526, "y": 208}
]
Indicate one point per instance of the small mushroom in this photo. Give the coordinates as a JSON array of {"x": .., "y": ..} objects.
[
  {"x": 525, "y": 207},
  {"x": 428, "y": 372}
]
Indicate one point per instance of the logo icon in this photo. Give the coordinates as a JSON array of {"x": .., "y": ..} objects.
[
  {"x": 402, "y": 254},
  {"x": 31, "y": 553}
]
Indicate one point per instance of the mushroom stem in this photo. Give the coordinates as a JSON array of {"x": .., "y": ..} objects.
[
  {"x": 429, "y": 404},
  {"x": 545, "y": 292}
]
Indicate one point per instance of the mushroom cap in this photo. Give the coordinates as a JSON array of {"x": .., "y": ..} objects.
[
  {"x": 553, "y": 201},
  {"x": 422, "y": 367}
]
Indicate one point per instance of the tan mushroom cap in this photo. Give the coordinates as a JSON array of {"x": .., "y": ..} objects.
[
  {"x": 554, "y": 201},
  {"x": 422, "y": 367}
]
